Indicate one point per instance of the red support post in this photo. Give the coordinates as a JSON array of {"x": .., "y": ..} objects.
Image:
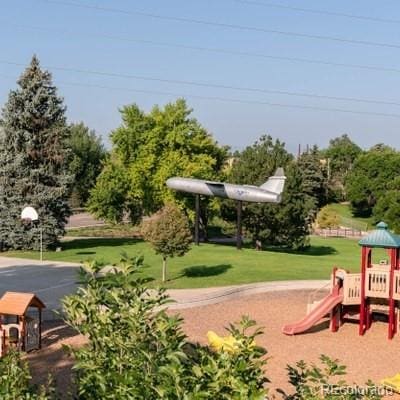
[
  {"x": 392, "y": 322},
  {"x": 333, "y": 314},
  {"x": 362, "y": 325}
]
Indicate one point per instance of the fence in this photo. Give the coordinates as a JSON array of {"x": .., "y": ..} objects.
[
  {"x": 353, "y": 224},
  {"x": 340, "y": 232}
]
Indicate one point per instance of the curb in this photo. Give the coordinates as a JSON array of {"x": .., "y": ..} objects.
[{"x": 219, "y": 295}]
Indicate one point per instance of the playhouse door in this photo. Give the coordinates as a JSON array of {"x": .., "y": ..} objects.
[{"x": 32, "y": 335}]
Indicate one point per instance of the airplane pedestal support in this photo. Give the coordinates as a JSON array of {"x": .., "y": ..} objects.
[
  {"x": 239, "y": 226},
  {"x": 197, "y": 221}
]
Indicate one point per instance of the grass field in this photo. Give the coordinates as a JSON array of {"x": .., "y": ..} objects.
[
  {"x": 347, "y": 218},
  {"x": 117, "y": 231},
  {"x": 218, "y": 265}
]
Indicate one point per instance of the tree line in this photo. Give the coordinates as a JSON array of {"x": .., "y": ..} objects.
[{"x": 52, "y": 165}]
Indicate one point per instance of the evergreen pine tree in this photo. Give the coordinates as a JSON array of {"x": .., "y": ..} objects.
[
  {"x": 285, "y": 224},
  {"x": 34, "y": 158},
  {"x": 315, "y": 180}
]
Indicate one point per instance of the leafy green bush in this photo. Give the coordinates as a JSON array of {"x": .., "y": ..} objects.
[
  {"x": 15, "y": 380},
  {"x": 136, "y": 350},
  {"x": 231, "y": 375},
  {"x": 311, "y": 382},
  {"x": 328, "y": 218}
]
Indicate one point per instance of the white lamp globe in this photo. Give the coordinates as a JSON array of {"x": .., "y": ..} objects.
[{"x": 29, "y": 213}]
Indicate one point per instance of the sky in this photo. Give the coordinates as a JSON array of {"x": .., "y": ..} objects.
[{"x": 232, "y": 65}]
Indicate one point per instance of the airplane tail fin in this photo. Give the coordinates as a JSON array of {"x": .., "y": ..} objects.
[{"x": 275, "y": 183}]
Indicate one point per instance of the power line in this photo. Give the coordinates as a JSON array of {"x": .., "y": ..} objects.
[
  {"x": 226, "y": 99},
  {"x": 212, "y": 85},
  {"x": 317, "y": 11},
  {"x": 224, "y": 25},
  {"x": 205, "y": 49}
]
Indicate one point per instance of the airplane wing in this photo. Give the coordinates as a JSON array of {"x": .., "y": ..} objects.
[{"x": 275, "y": 183}]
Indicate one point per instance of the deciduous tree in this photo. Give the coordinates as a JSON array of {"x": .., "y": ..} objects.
[
  {"x": 149, "y": 148},
  {"x": 372, "y": 175},
  {"x": 88, "y": 154},
  {"x": 169, "y": 234},
  {"x": 340, "y": 156}
]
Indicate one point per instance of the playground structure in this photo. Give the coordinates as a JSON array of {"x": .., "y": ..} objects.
[
  {"x": 376, "y": 289},
  {"x": 20, "y": 322}
]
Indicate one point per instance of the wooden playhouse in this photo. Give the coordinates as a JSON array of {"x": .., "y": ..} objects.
[{"x": 20, "y": 322}]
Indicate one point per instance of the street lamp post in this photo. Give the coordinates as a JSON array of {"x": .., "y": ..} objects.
[{"x": 30, "y": 214}]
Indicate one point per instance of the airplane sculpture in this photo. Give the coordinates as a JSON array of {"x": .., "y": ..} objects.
[{"x": 269, "y": 192}]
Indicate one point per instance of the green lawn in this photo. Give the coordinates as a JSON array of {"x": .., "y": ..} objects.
[
  {"x": 217, "y": 265},
  {"x": 115, "y": 231}
]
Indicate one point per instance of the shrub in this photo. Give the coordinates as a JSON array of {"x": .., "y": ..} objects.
[
  {"x": 231, "y": 375},
  {"x": 15, "y": 380},
  {"x": 328, "y": 218},
  {"x": 136, "y": 350},
  {"x": 312, "y": 382}
]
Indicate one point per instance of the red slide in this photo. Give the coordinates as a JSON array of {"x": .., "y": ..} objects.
[{"x": 323, "y": 308}]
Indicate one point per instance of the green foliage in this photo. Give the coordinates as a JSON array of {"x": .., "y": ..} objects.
[
  {"x": 110, "y": 198},
  {"x": 311, "y": 382},
  {"x": 137, "y": 351},
  {"x": 340, "y": 156},
  {"x": 372, "y": 175},
  {"x": 387, "y": 209},
  {"x": 88, "y": 154},
  {"x": 258, "y": 162},
  {"x": 328, "y": 218},
  {"x": 147, "y": 150},
  {"x": 225, "y": 375},
  {"x": 315, "y": 180},
  {"x": 131, "y": 339},
  {"x": 15, "y": 380},
  {"x": 284, "y": 224},
  {"x": 168, "y": 232},
  {"x": 34, "y": 157}
]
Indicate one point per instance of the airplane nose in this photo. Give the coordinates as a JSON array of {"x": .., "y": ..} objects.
[
  {"x": 176, "y": 183},
  {"x": 171, "y": 183}
]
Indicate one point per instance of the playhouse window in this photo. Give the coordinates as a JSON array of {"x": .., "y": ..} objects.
[{"x": 10, "y": 319}]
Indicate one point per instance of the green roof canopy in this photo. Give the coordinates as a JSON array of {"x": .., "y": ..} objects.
[{"x": 381, "y": 237}]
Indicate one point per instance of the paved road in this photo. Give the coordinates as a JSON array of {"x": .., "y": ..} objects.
[
  {"x": 81, "y": 220},
  {"x": 51, "y": 281}
]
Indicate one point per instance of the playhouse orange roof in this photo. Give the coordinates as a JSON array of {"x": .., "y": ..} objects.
[{"x": 15, "y": 303}]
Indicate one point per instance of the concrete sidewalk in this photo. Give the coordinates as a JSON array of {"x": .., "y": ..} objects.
[{"x": 52, "y": 280}]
